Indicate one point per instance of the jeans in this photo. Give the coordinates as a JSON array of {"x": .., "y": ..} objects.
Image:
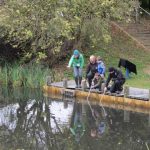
[
  {"x": 77, "y": 72},
  {"x": 90, "y": 77}
]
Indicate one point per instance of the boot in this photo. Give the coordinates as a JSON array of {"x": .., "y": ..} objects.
[
  {"x": 80, "y": 80},
  {"x": 76, "y": 81}
]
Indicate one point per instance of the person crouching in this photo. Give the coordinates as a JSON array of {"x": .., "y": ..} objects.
[
  {"x": 91, "y": 69},
  {"x": 117, "y": 79},
  {"x": 98, "y": 80}
]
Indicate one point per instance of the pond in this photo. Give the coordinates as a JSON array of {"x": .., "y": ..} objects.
[{"x": 30, "y": 120}]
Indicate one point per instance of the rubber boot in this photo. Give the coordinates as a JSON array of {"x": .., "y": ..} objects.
[
  {"x": 76, "y": 81},
  {"x": 80, "y": 80}
]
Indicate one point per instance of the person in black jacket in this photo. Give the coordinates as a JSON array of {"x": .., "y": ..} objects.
[
  {"x": 118, "y": 80},
  {"x": 92, "y": 68}
]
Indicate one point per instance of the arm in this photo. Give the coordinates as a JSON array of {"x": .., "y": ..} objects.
[
  {"x": 108, "y": 80},
  {"x": 104, "y": 68},
  {"x": 97, "y": 85},
  {"x": 70, "y": 61},
  {"x": 120, "y": 75},
  {"x": 87, "y": 69},
  {"x": 101, "y": 69},
  {"x": 82, "y": 60}
]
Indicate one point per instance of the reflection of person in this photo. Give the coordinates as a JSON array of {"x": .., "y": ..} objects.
[
  {"x": 118, "y": 80},
  {"x": 77, "y": 61},
  {"x": 97, "y": 123},
  {"x": 91, "y": 69},
  {"x": 78, "y": 128}
]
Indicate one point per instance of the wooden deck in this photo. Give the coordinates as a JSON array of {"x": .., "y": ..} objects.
[
  {"x": 136, "y": 93},
  {"x": 136, "y": 99}
]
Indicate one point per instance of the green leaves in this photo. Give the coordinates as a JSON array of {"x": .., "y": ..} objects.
[{"x": 47, "y": 24}]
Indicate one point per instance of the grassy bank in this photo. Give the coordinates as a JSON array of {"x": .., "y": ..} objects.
[
  {"x": 34, "y": 75},
  {"x": 121, "y": 47}
]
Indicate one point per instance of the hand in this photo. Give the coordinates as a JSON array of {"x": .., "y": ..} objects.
[
  {"x": 92, "y": 87},
  {"x": 102, "y": 76},
  {"x": 105, "y": 89}
]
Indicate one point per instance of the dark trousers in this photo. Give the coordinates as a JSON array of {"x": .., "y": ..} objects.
[
  {"x": 117, "y": 85},
  {"x": 90, "y": 77}
]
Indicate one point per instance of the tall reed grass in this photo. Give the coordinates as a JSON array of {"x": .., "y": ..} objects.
[{"x": 32, "y": 75}]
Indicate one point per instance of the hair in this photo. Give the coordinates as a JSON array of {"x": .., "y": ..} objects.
[
  {"x": 92, "y": 57},
  {"x": 111, "y": 69},
  {"x": 99, "y": 58}
]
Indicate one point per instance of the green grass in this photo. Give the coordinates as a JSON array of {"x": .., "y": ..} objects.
[{"x": 121, "y": 47}]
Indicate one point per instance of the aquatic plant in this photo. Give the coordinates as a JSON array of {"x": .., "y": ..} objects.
[{"x": 32, "y": 75}]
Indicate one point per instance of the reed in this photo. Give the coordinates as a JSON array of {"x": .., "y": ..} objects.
[{"x": 32, "y": 75}]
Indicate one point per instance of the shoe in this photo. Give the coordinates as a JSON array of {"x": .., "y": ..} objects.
[
  {"x": 76, "y": 81},
  {"x": 80, "y": 80},
  {"x": 79, "y": 86},
  {"x": 118, "y": 92},
  {"x": 76, "y": 87}
]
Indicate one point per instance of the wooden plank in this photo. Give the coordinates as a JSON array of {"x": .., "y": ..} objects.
[
  {"x": 135, "y": 93},
  {"x": 71, "y": 84},
  {"x": 138, "y": 93}
]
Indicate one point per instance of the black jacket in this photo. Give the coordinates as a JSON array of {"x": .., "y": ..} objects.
[
  {"x": 92, "y": 68},
  {"x": 127, "y": 64},
  {"x": 117, "y": 75}
]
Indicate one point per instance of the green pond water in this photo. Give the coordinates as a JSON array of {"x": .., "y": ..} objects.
[{"x": 28, "y": 120}]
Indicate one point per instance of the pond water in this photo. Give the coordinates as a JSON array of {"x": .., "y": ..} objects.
[{"x": 29, "y": 120}]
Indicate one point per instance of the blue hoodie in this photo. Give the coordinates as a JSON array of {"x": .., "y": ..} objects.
[{"x": 101, "y": 68}]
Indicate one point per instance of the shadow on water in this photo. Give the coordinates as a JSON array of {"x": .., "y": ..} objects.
[{"x": 28, "y": 120}]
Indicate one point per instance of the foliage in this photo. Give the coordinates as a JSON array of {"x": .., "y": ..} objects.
[{"x": 47, "y": 26}]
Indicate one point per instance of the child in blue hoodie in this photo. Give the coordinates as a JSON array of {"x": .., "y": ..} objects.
[{"x": 101, "y": 67}]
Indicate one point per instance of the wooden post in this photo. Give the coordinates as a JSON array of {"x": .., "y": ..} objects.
[
  {"x": 84, "y": 86},
  {"x": 126, "y": 116},
  {"x": 137, "y": 15},
  {"x": 65, "y": 84},
  {"x": 149, "y": 94},
  {"x": 126, "y": 91},
  {"x": 48, "y": 80}
]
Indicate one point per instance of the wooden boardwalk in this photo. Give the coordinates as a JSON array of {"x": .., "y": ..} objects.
[
  {"x": 131, "y": 99},
  {"x": 136, "y": 93}
]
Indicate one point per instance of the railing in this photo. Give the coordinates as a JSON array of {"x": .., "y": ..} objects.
[
  {"x": 148, "y": 13},
  {"x": 144, "y": 17}
]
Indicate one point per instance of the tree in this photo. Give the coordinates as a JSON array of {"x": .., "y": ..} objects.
[{"x": 52, "y": 27}]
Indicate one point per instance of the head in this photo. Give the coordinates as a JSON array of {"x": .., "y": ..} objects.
[
  {"x": 99, "y": 59},
  {"x": 111, "y": 70},
  {"x": 97, "y": 76},
  {"x": 92, "y": 59},
  {"x": 76, "y": 53}
]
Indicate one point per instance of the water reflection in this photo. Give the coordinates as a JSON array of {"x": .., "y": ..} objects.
[
  {"x": 77, "y": 127},
  {"x": 30, "y": 121}
]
